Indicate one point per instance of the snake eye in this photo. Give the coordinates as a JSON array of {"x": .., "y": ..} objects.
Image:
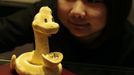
[{"x": 45, "y": 20}]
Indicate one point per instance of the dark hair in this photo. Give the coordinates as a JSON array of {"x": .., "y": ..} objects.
[
  {"x": 118, "y": 11},
  {"x": 120, "y": 8}
]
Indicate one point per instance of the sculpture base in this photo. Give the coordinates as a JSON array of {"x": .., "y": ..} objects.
[{"x": 5, "y": 70}]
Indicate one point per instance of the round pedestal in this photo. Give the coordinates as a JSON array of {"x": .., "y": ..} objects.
[{"x": 5, "y": 70}]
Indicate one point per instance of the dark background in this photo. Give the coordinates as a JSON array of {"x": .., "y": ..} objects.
[{"x": 8, "y": 8}]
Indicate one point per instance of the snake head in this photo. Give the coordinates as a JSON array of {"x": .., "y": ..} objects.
[
  {"x": 43, "y": 22},
  {"x": 47, "y": 28}
]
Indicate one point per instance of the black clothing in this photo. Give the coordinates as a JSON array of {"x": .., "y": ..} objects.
[{"x": 116, "y": 47}]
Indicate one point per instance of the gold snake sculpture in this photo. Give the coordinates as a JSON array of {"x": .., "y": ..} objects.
[{"x": 40, "y": 61}]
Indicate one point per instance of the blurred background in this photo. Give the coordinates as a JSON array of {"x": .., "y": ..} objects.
[{"x": 8, "y": 7}]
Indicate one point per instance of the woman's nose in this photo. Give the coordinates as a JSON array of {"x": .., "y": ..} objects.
[{"x": 78, "y": 10}]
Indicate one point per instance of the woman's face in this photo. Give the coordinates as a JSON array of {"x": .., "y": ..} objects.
[{"x": 83, "y": 18}]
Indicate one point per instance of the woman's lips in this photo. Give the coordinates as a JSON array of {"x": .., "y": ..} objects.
[{"x": 79, "y": 25}]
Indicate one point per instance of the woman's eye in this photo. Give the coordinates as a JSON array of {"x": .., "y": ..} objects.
[
  {"x": 95, "y": 1},
  {"x": 71, "y": 0}
]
